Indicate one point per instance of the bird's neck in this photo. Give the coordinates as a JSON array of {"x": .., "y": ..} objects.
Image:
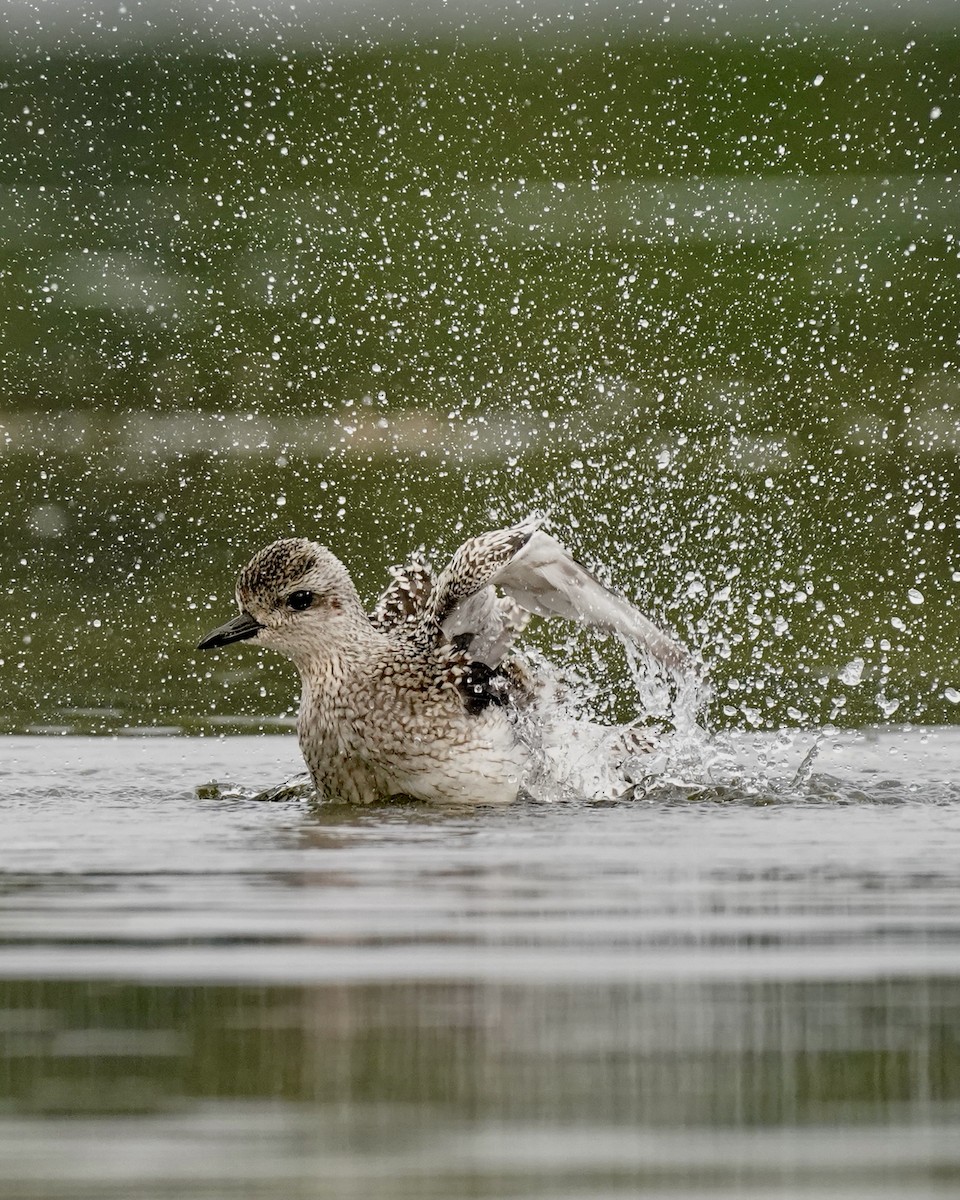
[
  {"x": 331, "y": 652},
  {"x": 330, "y": 672}
]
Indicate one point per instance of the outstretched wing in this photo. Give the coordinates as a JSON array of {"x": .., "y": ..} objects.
[
  {"x": 474, "y": 566},
  {"x": 465, "y": 604},
  {"x": 535, "y": 571},
  {"x": 543, "y": 578}
]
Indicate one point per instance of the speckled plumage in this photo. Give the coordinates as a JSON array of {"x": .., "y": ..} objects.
[{"x": 416, "y": 699}]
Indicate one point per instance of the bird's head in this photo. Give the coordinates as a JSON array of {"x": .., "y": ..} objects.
[{"x": 294, "y": 596}]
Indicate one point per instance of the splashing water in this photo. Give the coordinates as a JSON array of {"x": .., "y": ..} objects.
[
  {"x": 668, "y": 752},
  {"x": 576, "y": 756}
]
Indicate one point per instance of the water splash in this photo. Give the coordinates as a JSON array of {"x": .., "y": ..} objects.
[
  {"x": 574, "y": 755},
  {"x": 668, "y": 752}
]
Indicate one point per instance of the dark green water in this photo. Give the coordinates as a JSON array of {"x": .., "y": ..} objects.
[{"x": 695, "y": 297}]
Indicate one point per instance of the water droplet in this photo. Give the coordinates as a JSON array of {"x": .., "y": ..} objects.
[{"x": 852, "y": 673}]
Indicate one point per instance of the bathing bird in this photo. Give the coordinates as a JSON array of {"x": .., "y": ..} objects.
[{"x": 420, "y": 698}]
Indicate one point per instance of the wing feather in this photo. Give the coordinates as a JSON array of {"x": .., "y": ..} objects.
[
  {"x": 537, "y": 575},
  {"x": 406, "y": 598},
  {"x": 543, "y": 578}
]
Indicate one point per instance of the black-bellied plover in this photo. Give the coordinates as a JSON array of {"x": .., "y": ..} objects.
[{"x": 418, "y": 699}]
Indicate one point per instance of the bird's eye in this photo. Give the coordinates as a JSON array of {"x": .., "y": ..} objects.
[{"x": 298, "y": 601}]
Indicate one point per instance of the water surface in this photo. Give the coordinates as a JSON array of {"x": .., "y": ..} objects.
[{"x": 750, "y": 993}]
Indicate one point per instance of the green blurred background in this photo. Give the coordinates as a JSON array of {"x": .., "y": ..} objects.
[{"x": 693, "y": 294}]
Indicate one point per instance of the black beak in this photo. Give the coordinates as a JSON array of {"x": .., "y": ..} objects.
[{"x": 241, "y": 627}]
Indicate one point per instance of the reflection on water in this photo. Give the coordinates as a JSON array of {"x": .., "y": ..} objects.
[
  {"x": 224, "y": 998},
  {"x": 486, "y": 1090}
]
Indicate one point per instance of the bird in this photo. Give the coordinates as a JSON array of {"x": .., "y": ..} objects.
[{"x": 419, "y": 699}]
